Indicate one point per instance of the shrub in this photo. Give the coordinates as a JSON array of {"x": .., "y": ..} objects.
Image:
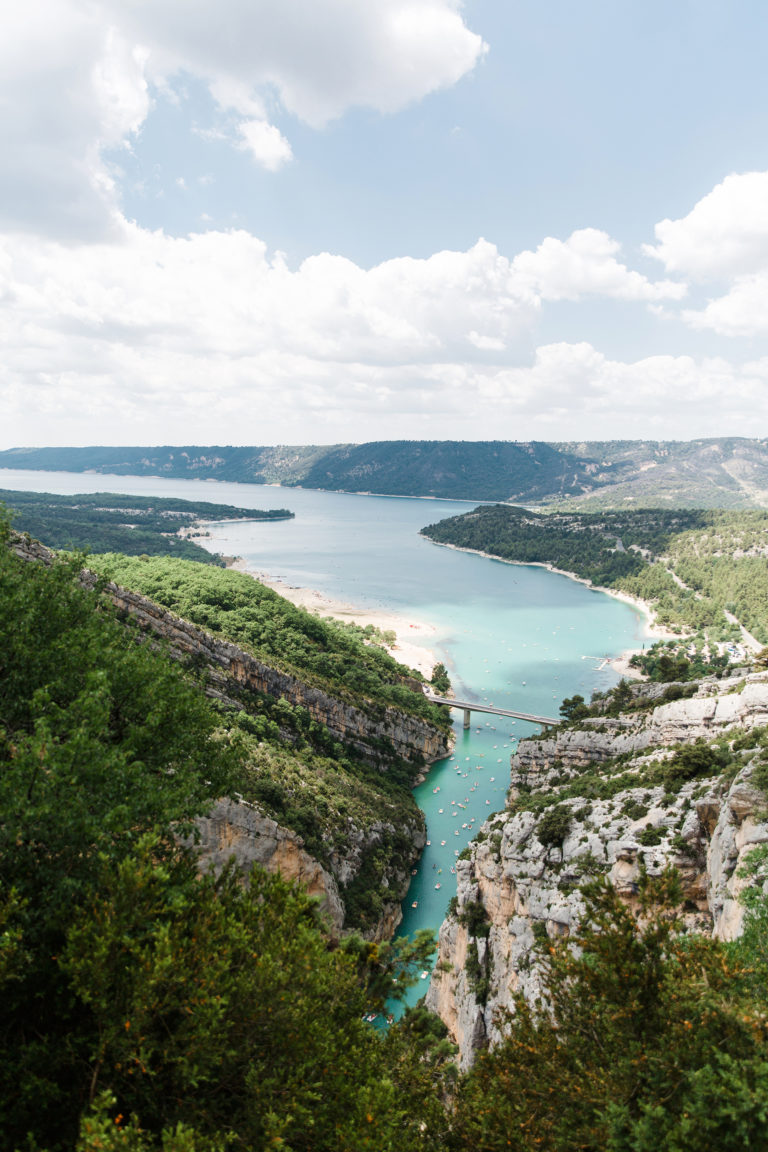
[{"x": 554, "y": 825}]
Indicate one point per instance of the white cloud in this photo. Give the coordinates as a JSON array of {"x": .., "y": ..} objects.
[
  {"x": 573, "y": 391},
  {"x": 742, "y": 311},
  {"x": 209, "y": 338},
  {"x": 724, "y": 238},
  {"x": 78, "y": 78},
  {"x": 320, "y": 56},
  {"x": 70, "y": 85},
  {"x": 585, "y": 265},
  {"x": 265, "y": 143},
  {"x": 724, "y": 235}
]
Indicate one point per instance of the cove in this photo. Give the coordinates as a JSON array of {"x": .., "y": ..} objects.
[{"x": 521, "y": 638}]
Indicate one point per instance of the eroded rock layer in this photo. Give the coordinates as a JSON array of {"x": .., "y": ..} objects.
[{"x": 681, "y": 793}]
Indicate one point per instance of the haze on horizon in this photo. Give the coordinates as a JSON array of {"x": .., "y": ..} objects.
[{"x": 327, "y": 221}]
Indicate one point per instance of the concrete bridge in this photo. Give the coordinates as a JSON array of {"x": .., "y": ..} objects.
[{"x": 468, "y": 707}]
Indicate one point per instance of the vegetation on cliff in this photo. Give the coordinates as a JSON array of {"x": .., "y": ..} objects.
[
  {"x": 356, "y": 815},
  {"x": 134, "y": 525},
  {"x": 139, "y": 997},
  {"x": 644, "y": 1038},
  {"x": 235, "y": 606}
]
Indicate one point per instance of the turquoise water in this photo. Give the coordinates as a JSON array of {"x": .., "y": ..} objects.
[{"x": 518, "y": 637}]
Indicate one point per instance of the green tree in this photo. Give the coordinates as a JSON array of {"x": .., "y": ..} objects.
[
  {"x": 573, "y": 708},
  {"x": 641, "y": 1041}
]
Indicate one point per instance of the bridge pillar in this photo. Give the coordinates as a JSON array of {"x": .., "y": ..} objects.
[{"x": 466, "y": 717}]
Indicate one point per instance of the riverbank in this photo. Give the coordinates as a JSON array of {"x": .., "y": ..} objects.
[{"x": 412, "y": 636}]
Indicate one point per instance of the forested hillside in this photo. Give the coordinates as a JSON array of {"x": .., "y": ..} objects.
[
  {"x": 235, "y": 605},
  {"x": 138, "y": 996},
  {"x": 135, "y": 525},
  {"x": 693, "y": 566},
  {"x": 727, "y": 472}
]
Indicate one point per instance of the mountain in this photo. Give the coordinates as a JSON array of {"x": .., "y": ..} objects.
[{"x": 726, "y": 472}]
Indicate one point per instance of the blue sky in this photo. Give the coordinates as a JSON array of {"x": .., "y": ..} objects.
[{"x": 345, "y": 220}]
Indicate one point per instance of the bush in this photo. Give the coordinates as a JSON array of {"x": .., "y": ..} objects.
[{"x": 554, "y": 825}]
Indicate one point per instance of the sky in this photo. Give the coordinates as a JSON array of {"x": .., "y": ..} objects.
[{"x": 320, "y": 221}]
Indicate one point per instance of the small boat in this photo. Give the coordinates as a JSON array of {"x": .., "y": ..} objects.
[
  {"x": 438, "y": 885},
  {"x": 442, "y": 843},
  {"x": 414, "y": 871},
  {"x": 415, "y": 904},
  {"x": 424, "y": 975},
  {"x": 456, "y": 852},
  {"x": 429, "y": 843}
]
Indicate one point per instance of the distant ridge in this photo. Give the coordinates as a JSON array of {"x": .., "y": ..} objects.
[{"x": 725, "y": 472}]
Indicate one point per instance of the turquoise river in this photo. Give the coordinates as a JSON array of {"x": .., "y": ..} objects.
[{"x": 519, "y": 637}]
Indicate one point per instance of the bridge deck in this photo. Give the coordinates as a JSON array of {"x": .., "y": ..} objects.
[{"x": 469, "y": 706}]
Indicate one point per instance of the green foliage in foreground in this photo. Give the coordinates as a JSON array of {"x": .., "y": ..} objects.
[
  {"x": 289, "y": 763},
  {"x": 645, "y": 1039},
  {"x": 136, "y": 996},
  {"x": 234, "y": 605},
  {"x": 110, "y": 522}
]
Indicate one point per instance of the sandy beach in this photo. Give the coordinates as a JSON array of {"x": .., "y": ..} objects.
[{"x": 411, "y": 646}]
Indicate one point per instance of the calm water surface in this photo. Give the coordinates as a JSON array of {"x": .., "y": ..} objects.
[{"x": 518, "y": 637}]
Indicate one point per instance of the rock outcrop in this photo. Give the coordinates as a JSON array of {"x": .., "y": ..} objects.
[
  {"x": 236, "y": 831},
  {"x": 377, "y": 733},
  {"x": 520, "y": 882}
]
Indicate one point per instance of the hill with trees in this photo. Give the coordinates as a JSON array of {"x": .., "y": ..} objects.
[
  {"x": 726, "y": 472},
  {"x": 135, "y": 525},
  {"x": 703, "y": 572}
]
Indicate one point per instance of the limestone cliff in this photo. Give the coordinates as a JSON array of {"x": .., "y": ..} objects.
[
  {"x": 377, "y": 733},
  {"x": 239, "y": 832},
  {"x": 520, "y": 882}
]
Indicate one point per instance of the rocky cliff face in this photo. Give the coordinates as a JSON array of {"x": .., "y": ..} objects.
[
  {"x": 239, "y": 832},
  {"x": 520, "y": 882},
  {"x": 378, "y": 733}
]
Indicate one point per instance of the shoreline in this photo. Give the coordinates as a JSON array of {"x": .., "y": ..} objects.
[
  {"x": 620, "y": 663},
  {"x": 407, "y": 648}
]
